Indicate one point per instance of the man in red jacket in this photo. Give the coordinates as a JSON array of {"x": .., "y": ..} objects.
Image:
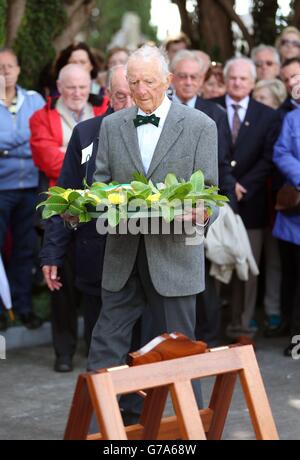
[
  {"x": 51, "y": 129},
  {"x": 52, "y": 126}
]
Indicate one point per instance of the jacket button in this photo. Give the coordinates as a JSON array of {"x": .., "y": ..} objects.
[{"x": 233, "y": 163}]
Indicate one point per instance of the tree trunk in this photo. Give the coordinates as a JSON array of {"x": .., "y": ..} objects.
[
  {"x": 296, "y": 16},
  {"x": 187, "y": 25},
  {"x": 264, "y": 18},
  {"x": 15, "y": 12},
  {"x": 214, "y": 27},
  {"x": 78, "y": 12}
]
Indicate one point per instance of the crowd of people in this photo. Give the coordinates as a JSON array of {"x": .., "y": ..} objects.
[{"x": 53, "y": 139}]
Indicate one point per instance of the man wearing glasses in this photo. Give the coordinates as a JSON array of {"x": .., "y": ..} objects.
[{"x": 267, "y": 62}]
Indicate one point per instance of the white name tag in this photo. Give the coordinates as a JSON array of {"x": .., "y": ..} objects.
[{"x": 86, "y": 153}]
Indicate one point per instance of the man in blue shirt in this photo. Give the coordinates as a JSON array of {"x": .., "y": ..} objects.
[{"x": 18, "y": 182}]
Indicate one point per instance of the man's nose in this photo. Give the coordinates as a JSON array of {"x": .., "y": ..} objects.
[{"x": 141, "y": 89}]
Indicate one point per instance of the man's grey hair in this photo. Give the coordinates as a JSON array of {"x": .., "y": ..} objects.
[
  {"x": 184, "y": 55},
  {"x": 244, "y": 59},
  {"x": 111, "y": 73},
  {"x": 149, "y": 53},
  {"x": 263, "y": 47},
  {"x": 71, "y": 68}
]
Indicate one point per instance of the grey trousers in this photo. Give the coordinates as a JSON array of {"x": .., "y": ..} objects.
[{"x": 112, "y": 334}]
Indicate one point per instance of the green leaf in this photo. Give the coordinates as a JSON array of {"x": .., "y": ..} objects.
[
  {"x": 56, "y": 190},
  {"x": 48, "y": 213},
  {"x": 140, "y": 177},
  {"x": 113, "y": 216},
  {"x": 197, "y": 181},
  {"x": 84, "y": 217},
  {"x": 73, "y": 196},
  {"x": 139, "y": 186},
  {"x": 56, "y": 199},
  {"x": 180, "y": 192},
  {"x": 152, "y": 186},
  {"x": 171, "y": 179},
  {"x": 167, "y": 213}
]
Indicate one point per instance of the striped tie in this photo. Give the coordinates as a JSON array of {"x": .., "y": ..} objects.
[{"x": 236, "y": 122}]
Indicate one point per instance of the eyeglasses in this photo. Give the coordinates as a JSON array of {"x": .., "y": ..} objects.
[
  {"x": 262, "y": 63},
  {"x": 285, "y": 41}
]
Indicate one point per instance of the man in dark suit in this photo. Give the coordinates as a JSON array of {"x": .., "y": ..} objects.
[
  {"x": 188, "y": 77},
  {"x": 254, "y": 129}
]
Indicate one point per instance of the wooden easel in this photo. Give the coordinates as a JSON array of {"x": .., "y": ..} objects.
[{"x": 97, "y": 392}]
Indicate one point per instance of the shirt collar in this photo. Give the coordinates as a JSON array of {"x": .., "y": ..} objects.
[
  {"x": 295, "y": 103},
  {"x": 190, "y": 103},
  {"x": 243, "y": 103},
  {"x": 161, "y": 111}
]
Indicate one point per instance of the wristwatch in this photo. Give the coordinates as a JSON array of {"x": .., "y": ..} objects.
[{"x": 3, "y": 153}]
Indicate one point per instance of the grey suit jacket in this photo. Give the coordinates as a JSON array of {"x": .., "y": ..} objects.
[{"x": 187, "y": 143}]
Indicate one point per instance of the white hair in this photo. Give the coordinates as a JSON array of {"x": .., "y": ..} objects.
[
  {"x": 72, "y": 68},
  {"x": 244, "y": 59},
  {"x": 263, "y": 47},
  {"x": 149, "y": 53},
  {"x": 184, "y": 55}
]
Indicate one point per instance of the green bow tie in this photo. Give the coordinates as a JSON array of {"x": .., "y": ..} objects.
[{"x": 141, "y": 120}]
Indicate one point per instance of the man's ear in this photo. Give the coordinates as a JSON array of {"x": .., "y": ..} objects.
[{"x": 170, "y": 79}]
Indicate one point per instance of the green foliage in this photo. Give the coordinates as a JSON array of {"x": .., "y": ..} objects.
[
  {"x": 42, "y": 22},
  {"x": 109, "y": 19},
  {"x": 3, "y": 5}
]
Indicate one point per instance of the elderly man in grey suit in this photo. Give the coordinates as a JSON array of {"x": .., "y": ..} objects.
[{"x": 155, "y": 271}]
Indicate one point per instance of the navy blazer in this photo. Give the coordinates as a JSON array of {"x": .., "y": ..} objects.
[
  {"x": 89, "y": 245},
  {"x": 226, "y": 178},
  {"x": 251, "y": 160}
]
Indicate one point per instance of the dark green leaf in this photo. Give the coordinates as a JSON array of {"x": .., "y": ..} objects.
[{"x": 139, "y": 177}]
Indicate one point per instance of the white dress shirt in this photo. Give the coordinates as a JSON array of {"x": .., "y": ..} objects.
[
  {"x": 190, "y": 103},
  {"x": 148, "y": 135},
  {"x": 241, "y": 111}
]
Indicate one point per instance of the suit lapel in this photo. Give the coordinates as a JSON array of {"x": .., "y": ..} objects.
[
  {"x": 170, "y": 133},
  {"x": 129, "y": 135}
]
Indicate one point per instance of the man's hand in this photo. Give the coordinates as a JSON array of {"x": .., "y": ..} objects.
[
  {"x": 51, "y": 278},
  {"x": 239, "y": 191},
  {"x": 198, "y": 215},
  {"x": 72, "y": 220}
]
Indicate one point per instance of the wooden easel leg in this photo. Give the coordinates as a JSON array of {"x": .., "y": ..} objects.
[
  {"x": 256, "y": 398},
  {"x": 81, "y": 412},
  {"x": 220, "y": 402},
  {"x": 106, "y": 406},
  {"x": 153, "y": 410},
  {"x": 185, "y": 405}
]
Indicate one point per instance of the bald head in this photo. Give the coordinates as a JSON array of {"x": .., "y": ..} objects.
[
  {"x": 74, "y": 84},
  {"x": 71, "y": 70}
]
